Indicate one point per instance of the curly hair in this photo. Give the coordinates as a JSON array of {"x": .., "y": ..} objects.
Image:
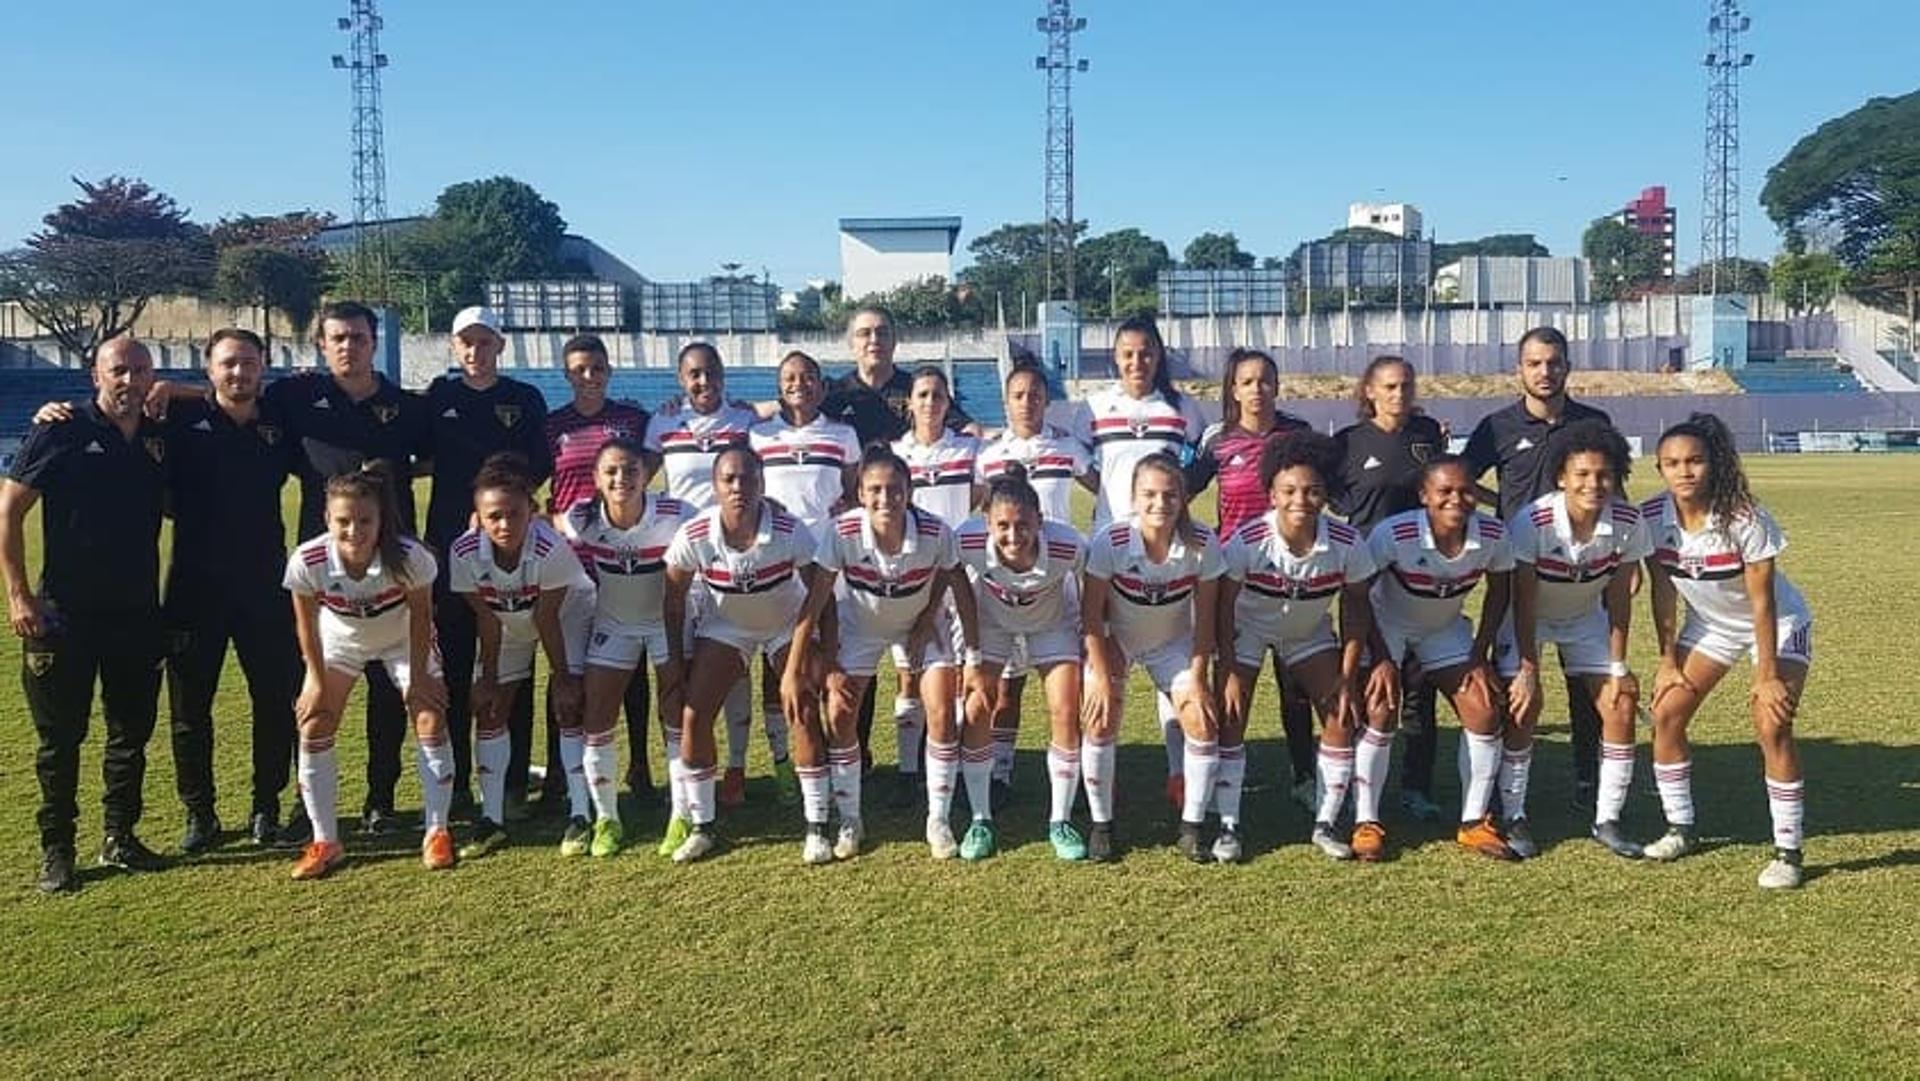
[{"x": 1728, "y": 494}]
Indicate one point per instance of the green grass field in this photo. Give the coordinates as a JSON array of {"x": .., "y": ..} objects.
[{"x": 1436, "y": 963}]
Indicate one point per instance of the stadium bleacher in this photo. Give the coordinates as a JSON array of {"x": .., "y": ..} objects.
[
  {"x": 24, "y": 390},
  {"x": 1796, "y": 375}
]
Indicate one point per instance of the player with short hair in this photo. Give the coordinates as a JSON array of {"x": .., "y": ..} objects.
[
  {"x": 1025, "y": 574},
  {"x": 623, "y": 536},
  {"x": 362, "y": 593},
  {"x": 754, "y": 561},
  {"x": 1284, "y": 569},
  {"x": 527, "y": 592},
  {"x": 1151, "y": 583},
  {"x": 1430, "y": 560},
  {"x": 1569, "y": 549},
  {"x": 899, "y": 566},
  {"x": 1716, "y": 547}
]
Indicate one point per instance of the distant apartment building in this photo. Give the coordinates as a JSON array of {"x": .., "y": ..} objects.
[
  {"x": 1400, "y": 219},
  {"x": 1650, "y": 215}
]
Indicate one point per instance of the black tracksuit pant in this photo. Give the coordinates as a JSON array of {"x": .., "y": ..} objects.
[
  {"x": 122, "y": 650},
  {"x": 258, "y": 619}
]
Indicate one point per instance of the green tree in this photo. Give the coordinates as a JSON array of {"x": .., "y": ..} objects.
[
  {"x": 1009, "y": 264},
  {"x": 483, "y": 231},
  {"x": 1623, "y": 261},
  {"x": 928, "y": 302},
  {"x": 1119, "y": 274},
  {"x": 1806, "y": 281},
  {"x": 1749, "y": 276},
  {"x": 1215, "y": 251},
  {"x": 270, "y": 263},
  {"x": 1521, "y": 244},
  {"x": 101, "y": 259}
]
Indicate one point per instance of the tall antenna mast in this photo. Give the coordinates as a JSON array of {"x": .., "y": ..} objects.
[
  {"x": 364, "y": 60},
  {"x": 1059, "y": 25},
  {"x": 1720, "y": 202}
]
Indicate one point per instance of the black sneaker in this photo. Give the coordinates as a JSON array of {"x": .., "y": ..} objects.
[
  {"x": 264, "y": 829},
  {"x": 1608, "y": 834},
  {"x": 1190, "y": 844},
  {"x": 460, "y": 806},
  {"x": 57, "y": 874},
  {"x": 298, "y": 831},
  {"x": 125, "y": 851},
  {"x": 1520, "y": 838},
  {"x": 378, "y": 821},
  {"x": 907, "y": 792},
  {"x": 1100, "y": 842},
  {"x": 203, "y": 833},
  {"x": 487, "y": 836},
  {"x": 1000, "y": 795}
]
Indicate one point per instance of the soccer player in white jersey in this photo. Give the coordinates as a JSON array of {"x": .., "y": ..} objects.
[
  {"x": 1574, "y": 551},
  {"x": 527, "y": 591},
  {"x": 941, "y": 465},
  {"x": 1151, "y": 583},
  {"x": 1430, "y": 559},
  {"x": 623, "y": 535},
  {"x": 754, "y": 560},
  {"x": 362, "y": 592},
  {"x": 1139, "y": 415},
  {"x": 1025, "y": 572},
  {"x": 686, "y": 439},
  {"x": 900, "y": 567},
  {"x": 1056, "y": 463},
  {"x": 1284, "y": 569},
  {"x": 810, "y": 459},
  {"x": 1715, "y": 547}
]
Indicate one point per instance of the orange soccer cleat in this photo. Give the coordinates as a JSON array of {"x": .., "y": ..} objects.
[
  {"x": 1369, "y": 842},
  {"x": 1483, "y": 837},
  {"x": 436, "y": 852},
  {"x": 318, "y": 860}
]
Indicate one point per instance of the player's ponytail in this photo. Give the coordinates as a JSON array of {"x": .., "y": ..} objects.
[
  {"x": 1167, "y": 466},
  {"x": 1728, "y": 494},
  {"x": 375, "y": 480}
]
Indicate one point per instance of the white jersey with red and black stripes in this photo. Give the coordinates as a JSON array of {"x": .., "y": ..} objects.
[
  {"x": 1709, "y": 567},
  {"x": 1418, "y": 589},
  {"x": 1054, "y": 461},
  {"x": 688, "y": 441},
  {"x": 884, "y": 593},
  {"x": 941, "y": 473},
  {"x": 546, "y": 563},
  {"x": 755, "y": 594},
  {"x": 1286, "y": 597},
  {"x": 1573, "y": 574},
  {"x": 627, "y": 564},
  {"x": 1044, "y": 597},
  {"x": 368, "y": 613},
  {"x": 1122, "y": 429},
  {"x": 1151, "y": 604},
  {"x": 806, "y": 465}
]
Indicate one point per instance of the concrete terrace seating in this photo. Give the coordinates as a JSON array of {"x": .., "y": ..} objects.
[
  {"x": 1796, "y": 375},
  {"x": 24, "y": 390}
]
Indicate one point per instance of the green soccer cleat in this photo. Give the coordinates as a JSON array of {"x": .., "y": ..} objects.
[
  {"x": 575, "y": 840},
  {"x": 1067, "y": 842},
  {"x": 608, "y": 836},
  {"x": 786, "y": 783},
  {"x": 677, "y": 830},
  {"x": 979, "y": 843},
  {"x": 488, "y": 836}
]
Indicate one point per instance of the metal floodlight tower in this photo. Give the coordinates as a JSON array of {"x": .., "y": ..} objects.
[
  {"x": 1720, "y": 204},
  {"x": 364, "y": 60},
  {"x": 1059, "y": 25}
]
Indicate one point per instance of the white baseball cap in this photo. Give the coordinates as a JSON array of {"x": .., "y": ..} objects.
[{"x": 477, "y": 316}]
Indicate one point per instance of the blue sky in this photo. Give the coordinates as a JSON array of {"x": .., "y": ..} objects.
[{"x": 683, "y": 135}]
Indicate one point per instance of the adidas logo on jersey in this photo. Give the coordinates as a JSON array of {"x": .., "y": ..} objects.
[
  {"x": 95, "y": 448},
  {"x": 202, "y": 425},
  {"x": 322, "y": 403},
  {"x": 450, "y": 414},
  {"x": 1524, "y": 444},
  {"x": 1370, "y": 463}
]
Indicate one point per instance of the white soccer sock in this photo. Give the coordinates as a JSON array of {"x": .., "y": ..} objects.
[
  {"x": 816, "y": 794},
  {"x": 434, "y": 761},
  {"x": 1063, "y": 782},
  {"x": 739, "y": 711},
  {"x": 1477, "y": 779},
  {"x": 573, "y": 749},
  {"x": 1170, "y": 733},
  {"x": 1336, "y": 776},
  {"x": 976, "y": 769},
  {"x": 320, "y": 788},
  {"x": 700, "y": 805},
  {"x": 1370, "y": 763},
  {"x": 843, "y": 771},
  {"x": 1785, "y": 805},
  {"x": 1228, "y": 784},
  {"x": 1616, "y": 778},
  {"x": 776, "y": 724},
  {"x": 1097, "y": 762},
  {"x": 1675, "y": 782},
  {"x": 909, "y": 730},
  {"x": 600, "y": 764},
  {"x": 676, "y": 776},
  {"x": 1004, "y": 741},
  {"x": 1202, "y": 768},
  {"x": 1516, "y": 767},
  {"x": 491, "y": 751},
  {"x": 943, "y": 769}
]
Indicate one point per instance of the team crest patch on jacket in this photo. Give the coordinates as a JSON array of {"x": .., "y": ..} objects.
[
  {"x": 39, "y": 663},
  {"x": 156, "y": 447},
  {"x": 507, "y": 413},
  {"x": 384, "y": 412},
  {"x": 269, "y": 434}
]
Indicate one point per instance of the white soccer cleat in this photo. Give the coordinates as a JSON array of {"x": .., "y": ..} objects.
[
  {"x": 1330, "y": 846},
  {"x": 1226, "y": 847},
  {"x": 816, "y": 850},
  {"x": 847, "y": 844},
  {"x": 1675, "y": 843},
  {"x": 698, "y": 844},
  {"x": 1781, "y": 873},
  {"x": 940, "y": 839}
]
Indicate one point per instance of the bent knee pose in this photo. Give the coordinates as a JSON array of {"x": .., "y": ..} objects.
[
  {"x": 1151, "y": 582},
  {"x": 900, "y": 566},
  {"x": 362, "y": 593},
  {"x": 623, "y": 534},
  {"x": 1025, "y": 575},
  {"x": 1569, "y": 548},
  {"x": 1284, "y": 569},
  {"x": 1429, "y": 560},
  {"x": 754, "y": 561},
  {"x": 1714, "y": 545}
]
